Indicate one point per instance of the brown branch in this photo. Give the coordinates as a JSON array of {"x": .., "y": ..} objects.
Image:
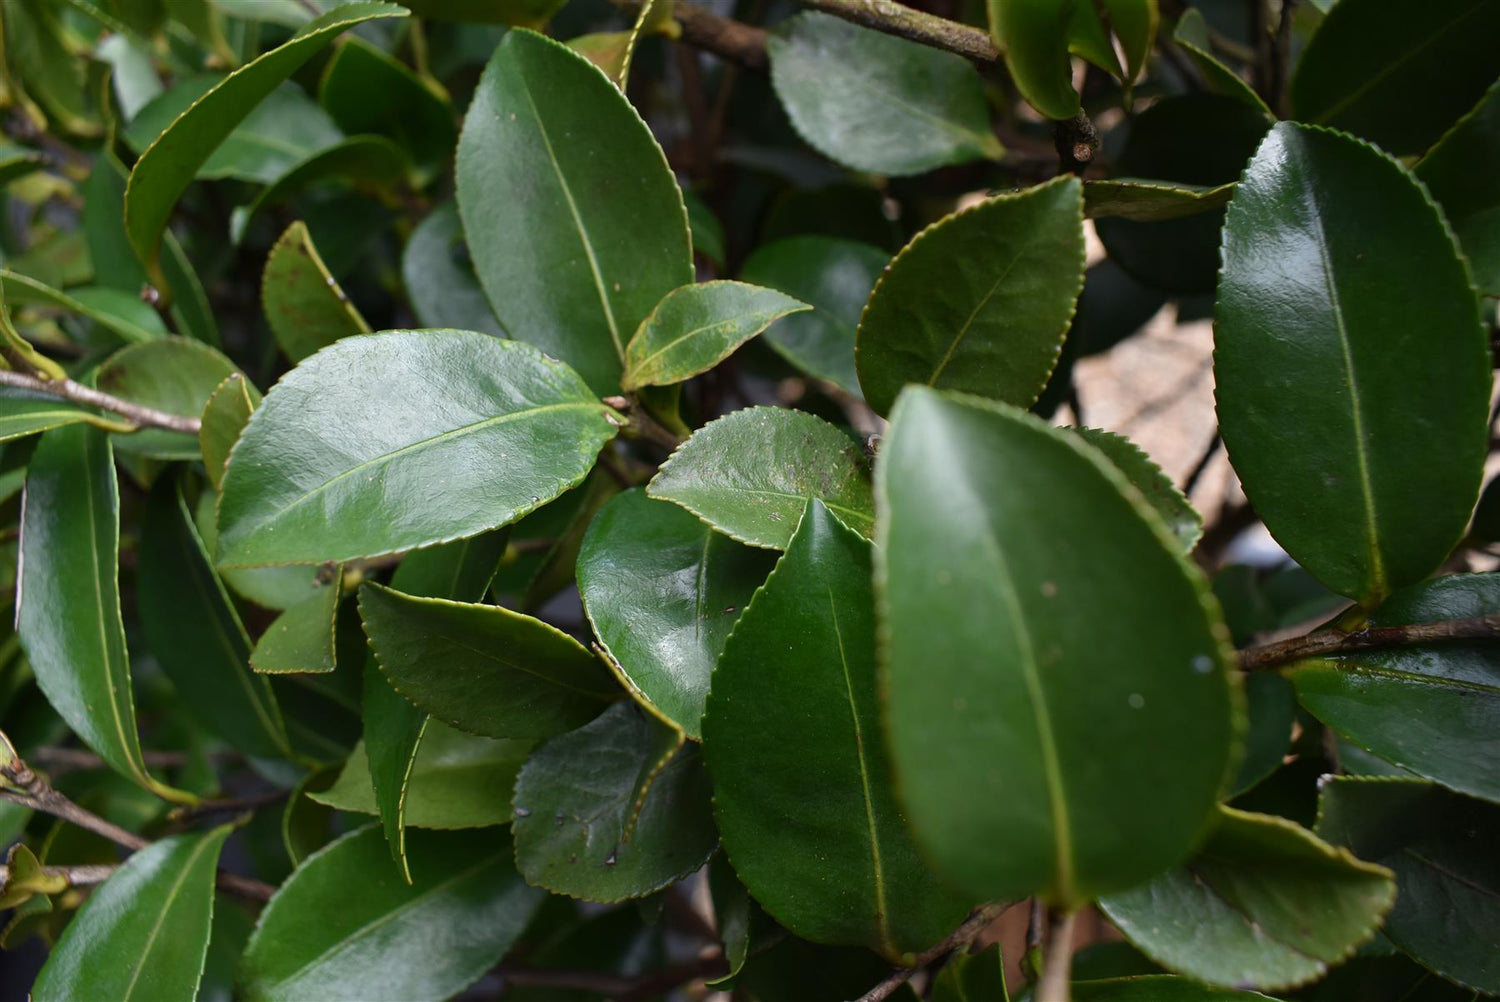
[
  {"x": 741, "y": 44},
  {"x": 978, "y": 921},
  {"x": 67, "y": 389},
  {"x": 1076, "y": 142},
  {"x": 1335, "y": 641},
  {"x": 915, "y": 25},
  {"x": 77, "y": 876},
  {"x": 641, "y": 425}
]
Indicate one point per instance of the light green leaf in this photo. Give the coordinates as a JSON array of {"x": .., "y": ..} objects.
[
  {"x": 616, "y": 809},
  {"x": 224, "y": 417},
  {"x": 116, "y": 311},
  {"x": 170, "y": 374},
  {"x": 1132, "y": 22},
  {"x": 551, "y": 148},
  {"x": 1352, "y": 375},
  {"x": 1145, "y": 476},
  {"x": 875, "y": 102},
  {"x": 304, "y": 305},
  {"x": 1470, "y": 199},
  {"x": 346, "y": 928},
  {"x": 142, "y": 936},
  {"x": 1035, "y": 610},
  {"x": 696, "y": 327},
  {"x": 749, "y": 475},
  {"x": 440, "y": 279},
  {"x": 340, "y": 460},
  {"x": 979, "y": 301},
  {"x": 1133, "y": 198},
  {"x": 23, "y": 412},
  {"x": 803, "y": 792},
  {"x": 304, "y": 638},
  {"x": 1034, "y": 36},
  {"x": 503, "y": 675}
]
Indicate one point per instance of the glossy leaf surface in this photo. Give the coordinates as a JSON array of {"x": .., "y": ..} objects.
[
  {"x": 170, "y": 374},
  {"x": 1130, "y": 198},
  {"x": 1011, "y": 635},
  {"x": 338, "y": 461},
  {"x": 1155, "y": 486},
  {"x": 1351, "y": 375},
  {"x": 1034, "y": 36},
  {"x": 23, "y": 413},
  {"x": 696, "y": 327},
  {"x": 802, "y": 782},
  {"x": 304, "y": 305},
  {"x": 979, "y": 301}
]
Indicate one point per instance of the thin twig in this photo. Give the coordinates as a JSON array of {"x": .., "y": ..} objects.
[
  {"x": 1058, "y": 969},
  {"x": 641, "y": 425},
  {"x": 1201, "y": 466},
  {"x": 741, "y": 44},
  {"x": 978, "y": 921},
  {"x": 186, "y": 816},
  {"x": 1334, "y": 641},
  {"x": 67, "y": 389},
  {"x": 918, "y": 26},
  {"x": 77, "y": 876}
]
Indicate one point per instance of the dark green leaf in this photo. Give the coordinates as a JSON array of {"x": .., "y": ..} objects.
[
  {"x": 1132, "y": 23},
  {"x": 117, "y": 311},
  {"x": 1399, "y": 81},
  {"x": 1352, "y": 375},
  {"x": 481, "y": 668},
  {"x": 408, "y": 111},
  {"x": 345, "y": 927},
  {"x": 802, "y": 783},
  {"x": 368, "y": 161},
  {"x": 521, "y": 13},
  {"x": 1035, "y": 611},
  {"x": 1131, "y": 198},
  {"x": 922, "y": 109},
  {"x": 1470, "y": 198},
  {"x": 1156, "y": 988},
  {"x": 551, "y": 148},
  {"x": 980, "y": 301},
  {"x": 302, "y": 639},
  {"x": 340, "y": 460},
  {"x": 23, "y": 413},
  {"x": 143, "y": 934},
  {"x": 734, "y": 914},
  {"x": 706, "y": 230},
  {"x": 662, "y": 591},
  {"x": 170, "y": 374},
  {"x": 1145, "y": 476},
  {"x": 972, "y": 977},
  {"x": 1442, "y": 847},
  {"x": 1034, "y": 36},
  {"x": 696, "y": 327},
  {"x": 1271, "y": 708},
  {"x": 224, "y": 416},
  {"x": 439, "y": 276},
  {"x": 616, "y": 809},
  {"x": 1263, "y": 904},
  {"x": 836, "y": 277},
  {"x": 749, "y": 475},
  {"x": 558, "y": 565},
  {"x": 304, "y": 305},
  {"x": 1192, "y": 37}
]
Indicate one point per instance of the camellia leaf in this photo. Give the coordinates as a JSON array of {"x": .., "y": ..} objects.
[
  {"x": 194, "y": 632},
  {"x": 1441, "y": 846},
  {"x": 1397, "y": 82},
  {"x": 143, "y": 934},
  {"x": 70, "y": 541},
  {"x": 616, "y": 809},
  {"x": 440, "y": 279},
  {"x": 409, "y": 110},
  {"x": 1470, "y": 201},
  {"x": 979, "y": 301},
  {"x": 171, "y": 374},
  {"x": 118, "y": 312},
  {"x": 551, "y": 148},
  {"x": 1191, "y": 36},
  {"x": 304, "y": 305},
  {"x": 224, "y": 416},
  {"x": 1263, "y": 903},
  {"x": 749, "y": 475},
  {"x": 1010, "y": 634},
  {"x": 368, "y": 161},
  {"x": 1132, "y": 22},
  {"x": 1432, "y": 709},
  {"x": 520, "y": 13},
  {"x": 1157, "y": 988},
  {"x": 169, "y": 164},
  {"x": 1034, "y": 36},
  {"x": 340, "y": 459},
  {"x": 925, "y": 108},
  {"x": 804, "y": 797},
  {"x": 1130, "y": 198},
  {"x": 1352, "y": 375},
  {"x": 662, "y": 591},
  {"x": 304, "y": 638},
  {"x": 345, "y": 927},
  {"x": 836, "y": 277},
  {"x": 970, "y": 977},
  {"x": 23, "y": 412},
  {"x": 696, "y": 327},
  {"x": 481, "y": 668},
  {"x": 1145, "y": 476}
]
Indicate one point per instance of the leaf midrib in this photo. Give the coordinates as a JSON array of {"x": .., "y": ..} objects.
[
  {"x": 968, "y": 324},
  {"x": 730, "y": 322},
  {"x": 161, "y": 916}
]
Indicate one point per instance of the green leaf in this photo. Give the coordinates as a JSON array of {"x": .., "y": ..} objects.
[
  {"x": 1191, "y": 36},
  {"x": 440, "y": 279},
  {"x": 304, "y": 305},
  {"x": 803, "y": 790},
  {"x": 171, "y": 374},
  {"x": 1034, "y": 36},
  {"x": 503, "y": 675},
  {"x": 972, "y": 977},
  {"x": 1441, "y": 846},
  {"x": 409, "y": 111},
  {"x": 1470, "y": 199},
  {"x": 170, "y": 163},
  {"x": 616, "y": 809},
  {"x": 304, "y": 638},
  {"x": 1133, "y": 198},
  {"x": 923, "y": 108},
  {"x": 706, "y": 230},
  {"x": 224, "y": 417},
  {"x": 70, "y": 541},
  {"x": 520, "y": 13},
  {"x": 1263, "y": 903},
  {"x": 1036, "y": 610},
  {"x": 345, "y": 927},
  {"x": 1271, "y": 710},
  {"x": 662, "y": 591},
  {"x": 340, "y": 460},
  {"x": 118, "y": 312},
  {"x": 1352, "y": 375},
  {"x": 605, "y": 49},
  {"x": 1132, "y": 22},
  {"x": 143, "y": 934},
  {"x": 734, "y": 915},
  {"x": 17, "y": 162},
  {"x": 368, "y": 161},
  {"x": 558, "y": 566},
  {"x": 551, "y": 148},
  {"x": 749, "y": 475},
  {"x": 23, "y": 412},
  {"x": 194, "y": 632},
  {"x": 456, "y": 780},
  {"x": 1432, "y": 709},
  {"x": 979, "y": 301},
  {"x": 1155, "y": 486},
  {"x": 1397, "y": 81},
  {"x": 696, "y": 327},
  {"x": 836, "y": 277},
  {"x": 1156, "y": 988}
]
